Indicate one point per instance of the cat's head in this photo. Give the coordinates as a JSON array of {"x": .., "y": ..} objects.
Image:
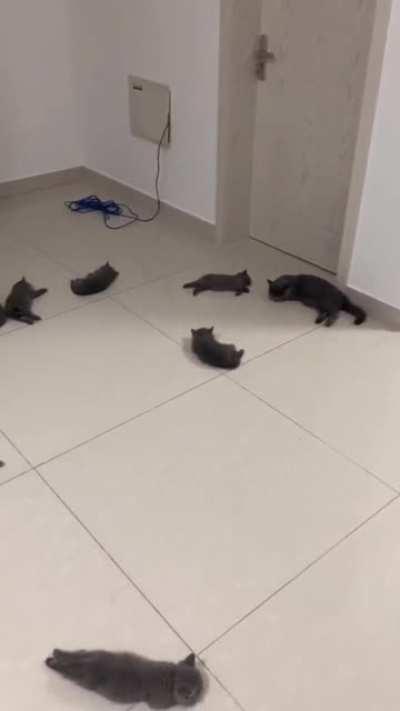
[
  {"x": 109, "y": 269},
  {"x": 282, "y": 288},
  {"x": 245, "y": 276},
  {"x": 188, "y": 682},
  {"x": 202, "y": 332}
]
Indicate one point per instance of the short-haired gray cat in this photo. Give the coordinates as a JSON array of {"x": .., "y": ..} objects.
[
  {"x": 3, "y": 316},
  {"x": 317, "y": 293},
  {"x": 129, "y": 678},
  {"x": 95, "y": 282},
  {"x": 212, "y": 352},
  {"x": 238, "y": 283},
  {"x": 18, "y": 305}
]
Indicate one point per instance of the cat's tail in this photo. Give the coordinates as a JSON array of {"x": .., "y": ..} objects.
[
  {"x": 359, "y": 314},
  {"x": 190, "y": 285}
]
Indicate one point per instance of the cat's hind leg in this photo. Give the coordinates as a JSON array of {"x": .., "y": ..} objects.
[
  {"x": 25, "y": 318},
  {"x": 79, "y": 667},
  {"x": 322, "y": 316},
  {"x": 332, "y": 318}
]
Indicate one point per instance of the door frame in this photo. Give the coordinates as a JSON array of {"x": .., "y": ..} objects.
[{"x": 240, "y": 23}]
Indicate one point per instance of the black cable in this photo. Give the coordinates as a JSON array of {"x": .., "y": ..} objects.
[{"x": 111, "y": 209}]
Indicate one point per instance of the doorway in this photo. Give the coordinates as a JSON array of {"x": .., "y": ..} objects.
[
  {"x": 306, "y": 126},
  {"x": 287, "y": 144}
]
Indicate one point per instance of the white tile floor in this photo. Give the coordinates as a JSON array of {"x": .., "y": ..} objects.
[{"x": 154, "y": 504}]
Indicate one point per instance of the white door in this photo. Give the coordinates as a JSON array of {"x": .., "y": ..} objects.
[{"x": 307, "y": 120}]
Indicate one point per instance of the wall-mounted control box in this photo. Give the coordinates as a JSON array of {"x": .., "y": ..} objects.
[{"x": 150, "y": 110}]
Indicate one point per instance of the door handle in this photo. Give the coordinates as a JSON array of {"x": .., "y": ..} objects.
[{"x": 262, "y": 56}]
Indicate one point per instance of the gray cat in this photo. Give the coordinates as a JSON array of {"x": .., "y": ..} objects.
[
  {"x": 3, "y": 316},
  {"x": 317, "y": 293},
  {"x": 128, "y": 678},
  {"x": 95, "y": 282},
  {"x": 210, "y": 351},
  {"x": 18, "y": 305},
  {"x": 238, "y": 283}
]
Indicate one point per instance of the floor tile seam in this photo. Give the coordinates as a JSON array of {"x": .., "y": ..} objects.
[
  {"x": 132, "y": 312},
  {"x": 109, "y": 556},
  {"x": 392, "y": 489},
  {"x": 34, "y": 470},
  {"x": 13, "y": 478},
  {"x": 300, "y": 574},
  {"x": 125, "y": 574},
  {"x": 64, "y": 312},
  {"x": 293, "y": 256},
  {"x": 127, "y": 421}
]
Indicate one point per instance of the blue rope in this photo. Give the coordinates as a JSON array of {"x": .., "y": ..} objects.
[{"x": 108, "y": 208}]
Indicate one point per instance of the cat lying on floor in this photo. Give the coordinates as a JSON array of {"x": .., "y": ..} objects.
[
  {"x": 128, "y": 678},
  {"x": 95, "y": 282},
  {"x": 210, "y": 351},
  {"x": 18, "y": 305},
  {"x": 317, "y": 293},
  {"x": 3, "y": 316},
  {"x": 238, "y": 283}
]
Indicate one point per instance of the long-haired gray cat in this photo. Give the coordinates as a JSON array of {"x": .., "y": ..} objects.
[
  {"x": 129, "y": 678},
  {"x": 317, "y": 293},
  {"x": 18, "y": 305}
]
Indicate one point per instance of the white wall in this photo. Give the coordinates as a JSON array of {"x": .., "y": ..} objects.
[
  {"x": 171, "y": 41},
  {"x": 38, "y": 95},
  {"x": 375, "y": 264}
]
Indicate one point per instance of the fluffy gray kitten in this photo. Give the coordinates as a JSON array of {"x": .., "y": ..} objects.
[
  {"x": 95, "y": 282},
  {"x": 212, "y": 352},
  {"x": 3, "y": 316},
  {"x": 238, "y": 283},
  {"x": 18, "y": 305},
  {"x": 129, "y": 678}
]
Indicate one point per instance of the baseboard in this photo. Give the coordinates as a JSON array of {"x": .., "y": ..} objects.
[
  {"x": 134, "y": 197},
  {"x": 40, "y": 182},
  {"x": 105, "y": 182},
  {"x": 205, "y": 226},
  {"x": 376, "y": 309}
]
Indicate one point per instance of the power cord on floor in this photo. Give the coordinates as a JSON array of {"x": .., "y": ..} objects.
[{"x": 111, "y": 209}]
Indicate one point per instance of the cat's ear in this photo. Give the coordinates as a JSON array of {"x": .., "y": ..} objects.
[
  {"x": 211, "y": 330},
  {"x": 193, "y": 330},
  {"x": 270, "y": 282},
  {"x": 190, "y": 661},
  {"x": 244, "y": 272}
]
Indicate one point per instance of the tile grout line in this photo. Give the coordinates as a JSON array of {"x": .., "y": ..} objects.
[
  {"x": 109, "y": 556},
  {"x": 292, "y": 256},
  {"x": 173, "y": 340},
  {"x": 130, "y": 580},
  {"x": 301, "y": 573},
  {"x": 319, "y": 439},
  {"x": 216, "y": 376},
  {"x": 16, "y": 476},
  {"x": 221, "y": 684},
  {"x": 131, "y": 312},
  {"x": 127, "y": 421},
  {"x": 34, "y": 469}
]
